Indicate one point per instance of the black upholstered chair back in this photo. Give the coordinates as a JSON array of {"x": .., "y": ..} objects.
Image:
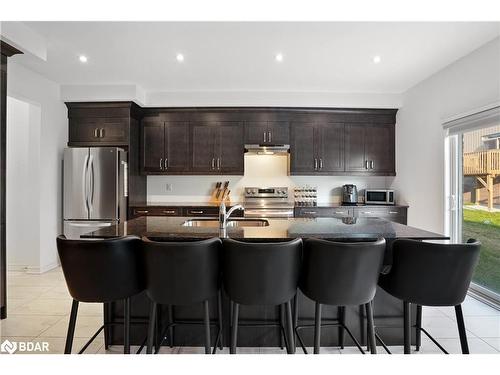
[
  {"x": 431, "y": 274},
  {"x": 102, "y": 270},
  {"x": 261, "y": 273},
  {"x": 341, "y": 273},
  {"x": 182, "y": 273}
]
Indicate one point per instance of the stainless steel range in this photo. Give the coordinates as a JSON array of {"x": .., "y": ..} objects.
[{"x": 270, "y": 202}]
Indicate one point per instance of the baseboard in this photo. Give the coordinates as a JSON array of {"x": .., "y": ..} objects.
[{"x": 31, "y": 269}]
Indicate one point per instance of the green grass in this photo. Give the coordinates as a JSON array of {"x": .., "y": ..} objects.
[{"x": 485, "y": 227}]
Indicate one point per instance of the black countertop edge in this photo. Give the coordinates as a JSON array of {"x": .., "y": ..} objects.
[{"x": 229, "y": 204}]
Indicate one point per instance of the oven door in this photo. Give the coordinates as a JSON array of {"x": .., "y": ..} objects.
[{"x": 269, "y": 212}]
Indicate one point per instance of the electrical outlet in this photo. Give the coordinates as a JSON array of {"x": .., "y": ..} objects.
[{"x": 169, "y": 187}]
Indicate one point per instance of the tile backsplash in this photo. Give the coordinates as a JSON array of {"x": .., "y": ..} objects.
[{"x": 261, "y": 171}]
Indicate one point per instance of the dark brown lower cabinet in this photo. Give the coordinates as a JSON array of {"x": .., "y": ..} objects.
[{"x": 397, "y": 214}]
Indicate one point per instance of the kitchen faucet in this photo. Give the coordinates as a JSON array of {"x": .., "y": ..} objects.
[{"x": 223, "y": 216}]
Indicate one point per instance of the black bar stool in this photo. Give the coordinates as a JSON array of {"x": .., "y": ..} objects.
[
  {"x": 340, "y": 274},
  {"x": 257, "y": 274},
  {"x": 431, "y": 274},
  {"x": 183, "y": 273},
  {"x": 101, "y": 271}
]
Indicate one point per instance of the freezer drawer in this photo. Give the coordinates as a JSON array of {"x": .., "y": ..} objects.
[{"x": 74, "y": 229}]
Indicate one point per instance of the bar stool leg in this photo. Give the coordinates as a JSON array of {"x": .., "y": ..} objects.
[
  {"x": 407, "y": 327},
  {"x": 461, "y": 329},
  {"x": 219, "y": 316},
  {"x": 289, "y": 329},
  {"x": 126, "y": 326},
  {"x": 151, "y": 328},
  {"x": 317, "y": 328},
  {"x": 171, "y": 321},
  {"x": 71, "y": 327},
  {"x": 207, "y": 326},
  {"x": 341, "y": 314},
  {"x": 282, "y": 324},
  {"x": 371, "y": 328},
  {"x": 295, "y": 320},
  {"x": 107, "y": 328},
  {"x": 418, "y": 326},
  {"x": 234, "y": 328}
]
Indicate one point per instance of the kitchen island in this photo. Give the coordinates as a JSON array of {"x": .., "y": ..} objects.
[{"x": 388, "y": 311}]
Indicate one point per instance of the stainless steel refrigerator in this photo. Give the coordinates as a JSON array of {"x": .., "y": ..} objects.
[{"x": 95, "y": 189}]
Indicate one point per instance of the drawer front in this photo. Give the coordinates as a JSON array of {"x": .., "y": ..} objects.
[
  {"x": 201, "y": 211},
  {"x": 322, "y": 212},
  {"x": 156, "y": 211},
  {"x": 396, "y": 214}
]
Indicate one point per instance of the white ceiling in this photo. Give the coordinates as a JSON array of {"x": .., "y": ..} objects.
[{"x": 331, "y": 57}]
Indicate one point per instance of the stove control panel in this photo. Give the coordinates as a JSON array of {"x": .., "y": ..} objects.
[{"x": 271, "y": 192}]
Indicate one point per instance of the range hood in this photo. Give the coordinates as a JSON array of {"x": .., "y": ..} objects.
[{"x": 267, "y": 149}]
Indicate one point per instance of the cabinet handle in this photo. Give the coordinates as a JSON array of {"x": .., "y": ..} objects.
[
  {"x": 309, "y": 212},
  {"x": 393, "y": 212},
  {"x": 166, "y": 163},
  {"x": 366, "y": 212},
  {"x": 213, "y": 163},
  {"x": 195, "y": 212},
  {"x": 315, "y": 164},
  {"x": 101, "y": 133},
  {"x": 320, "y": 163},
  {"x": 366, "y": 164},
  {"x": 340, "y": 212},
  {"x": 264, "y": 137},
  {"x": 95, "y": 133},
  {"x": 218, "y": 163},
  {"x": 141, "y": 211},
  {"x": 269, "y": 136},
  {"x": 371, "y": 164},
  {"x": 169, "y": 212},
  {"x": 161, "y": 163}
]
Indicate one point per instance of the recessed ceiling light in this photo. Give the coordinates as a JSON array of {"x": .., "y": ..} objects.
[
  {"x": 279, "y": 57},
  {"x": 180, "y": 57},
  {"x": 83, "y": 58},
  {"x": 377, "y": 59}
]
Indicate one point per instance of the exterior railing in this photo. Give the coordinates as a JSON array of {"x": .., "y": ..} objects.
[{"x": 482, "y": 163}]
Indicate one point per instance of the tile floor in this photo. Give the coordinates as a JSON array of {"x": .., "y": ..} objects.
[{"x": 39, "y": 307}]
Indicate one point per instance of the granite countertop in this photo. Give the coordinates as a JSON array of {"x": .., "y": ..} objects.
[{"x": 278, "y": 229}]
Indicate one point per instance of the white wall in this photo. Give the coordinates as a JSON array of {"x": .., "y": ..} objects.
[
  {"x": 45, "y": 181},
  {"x": 469, "y": 83},
  {"x": 260, "y": 170},
  {"x": 23, "y": 132}
]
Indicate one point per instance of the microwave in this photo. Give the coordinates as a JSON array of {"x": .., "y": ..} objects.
[{"x": 379, "y": 196}]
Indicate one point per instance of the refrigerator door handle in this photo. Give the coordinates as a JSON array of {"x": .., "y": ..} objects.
[
  {"x": 92, "y": 182},
  {"x": 86, "y": 183}
]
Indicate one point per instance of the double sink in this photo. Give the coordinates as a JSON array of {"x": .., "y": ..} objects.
[{"x": 231, "y": 223}]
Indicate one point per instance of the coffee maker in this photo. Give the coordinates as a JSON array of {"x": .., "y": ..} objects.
[{"x": 349, "y": 195}]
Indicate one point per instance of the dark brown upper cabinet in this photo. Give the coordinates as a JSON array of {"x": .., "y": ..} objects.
[
  {"x": 165, "y": 146},
  {"x": 217, "y": 148},
  {"x": 267, "y": 132},
  {"x": 369, "y": 149},
  {"x": 316, "y": 148},
  {"x": 101, "y": 124}
]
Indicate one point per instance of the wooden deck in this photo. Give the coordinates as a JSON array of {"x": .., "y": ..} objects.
[
  {"x": 485, "y": 166},
  {"x": 482, "y": 163}
]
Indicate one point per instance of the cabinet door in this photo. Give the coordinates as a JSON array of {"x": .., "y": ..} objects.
[
  {"x": 203, "y": 149},
  {"x": 114, "y": 131},
  {"x": 330, "y": 141},
  {"x": 153, "y": 145},
  {"x": 84, "y": 130},
  {"x": 379, "y": 148},
  {"x": 278, "y": 132},
  {"x": 256, "y": 132},
  {"x": 176, "y": 147},
  {"x": 230, "y": 150},
  {"x": 354, "y": 143},
  {"x": 302, "y": 148}
]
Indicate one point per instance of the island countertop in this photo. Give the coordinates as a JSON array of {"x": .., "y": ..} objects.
[{"x": 171, "y": 228}]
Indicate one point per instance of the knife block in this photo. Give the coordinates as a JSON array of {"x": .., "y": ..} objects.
[{"x": 218, "y": 199}]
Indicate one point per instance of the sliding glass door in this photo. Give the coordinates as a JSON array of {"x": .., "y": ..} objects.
[{"x": 474, "y": 200}]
